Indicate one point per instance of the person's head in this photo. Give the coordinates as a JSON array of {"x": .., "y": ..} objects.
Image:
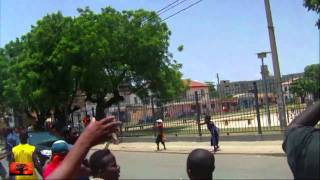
[
  {"x": 23, "y": 137},
  {"x": 207, "y": 118},
  {"x": 103, "y": 165},
  {"x": 159, "y": 121},
  {"x": 60, "y": 148},
  {"x": 200, "y": 164}
]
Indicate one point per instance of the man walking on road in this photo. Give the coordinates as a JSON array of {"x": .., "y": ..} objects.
[{"x": 160, "y": 135}]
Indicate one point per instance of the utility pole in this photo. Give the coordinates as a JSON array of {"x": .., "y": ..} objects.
[
  {"x": 218, "y": 104},
  {"x": 276, "y": 68}
]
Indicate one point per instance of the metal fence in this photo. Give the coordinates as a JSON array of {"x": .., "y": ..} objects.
[{"x": 249, "y": 107}]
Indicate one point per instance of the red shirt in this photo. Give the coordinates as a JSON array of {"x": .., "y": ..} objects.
[
  {"x": 52, "y": 165},
  {"x": 160, "y": 128},
  {"x": 86, "y": 121}
]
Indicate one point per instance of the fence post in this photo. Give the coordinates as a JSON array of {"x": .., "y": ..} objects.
[
  {"x": 79, "y": 121},
  {"x": 198, "y": 112},
  {"x": 92, "y": 109},
  {"x": 71, "y": 119},
  {"x": 153, "y": 116},
  {"x": 255, "y": 91}
]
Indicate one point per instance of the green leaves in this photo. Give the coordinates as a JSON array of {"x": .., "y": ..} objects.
[{"x": 95, "y": 53}]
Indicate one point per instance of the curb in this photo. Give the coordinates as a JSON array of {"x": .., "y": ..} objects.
[
  {"x": 183, "y": 152},
  {"x": 245, "y": 138}
]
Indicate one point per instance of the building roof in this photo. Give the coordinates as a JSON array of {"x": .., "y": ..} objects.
[{"x": 195, "y": 84}]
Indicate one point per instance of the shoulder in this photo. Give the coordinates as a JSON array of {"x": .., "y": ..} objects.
[{"x": 299, "y": 137}]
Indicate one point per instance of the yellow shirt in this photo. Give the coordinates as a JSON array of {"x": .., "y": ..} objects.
[{"x": 23, "y": 153}]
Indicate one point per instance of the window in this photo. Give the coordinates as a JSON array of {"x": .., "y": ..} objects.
[
  {"x": 135, "y": 100},
  {"x": 202, "y": 92},
  {"x": 286, "y": 89}
]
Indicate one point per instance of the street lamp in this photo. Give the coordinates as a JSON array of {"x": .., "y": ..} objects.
[{"x": 261, "y": 56}]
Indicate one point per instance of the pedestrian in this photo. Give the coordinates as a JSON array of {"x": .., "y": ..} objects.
[
  {"x": 26, "y": 153},
  {"x": 86, "y": 120},
  {"x": 59, "y": 151},
  {"x": 160, "y": 134},
  {"x": 302, "y": 144},
  {"x": 103, "y": 165},
  {"x": 200, "y": 164},
  {"x": 214, "y": 131},
  {"x": 12, "y": 140}
]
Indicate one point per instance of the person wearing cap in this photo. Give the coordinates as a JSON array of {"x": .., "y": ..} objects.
[
  {"x": 59, "y": 151},
  {"x": 160, "y": 135},
  {"x": 213, "y": 131}
]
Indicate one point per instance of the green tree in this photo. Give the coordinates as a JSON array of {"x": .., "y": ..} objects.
[
  {"x": 313, "y": 5},
  {"x": 312, "y": 76},
  {"x": 41, "y": 79},
  {"x": 124, "y": 49},
  {"x": 309, "y": 84},
  {"x": 96, "y": 53},
  {"x": 298, "y": 88},
  {"x": 212, "y": 90}
]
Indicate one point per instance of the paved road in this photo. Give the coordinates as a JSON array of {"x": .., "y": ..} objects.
[
  {"x": 135, "y": 165},
  {"x": 172, "y": 166}
]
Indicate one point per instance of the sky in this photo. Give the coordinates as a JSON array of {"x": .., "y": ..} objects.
[{"x": 219, "y": 36}]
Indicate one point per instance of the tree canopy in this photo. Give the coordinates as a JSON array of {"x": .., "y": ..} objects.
[
  {"x": 313, "y": 5},
  {"x": 99, "y": 54},
  {"x": 309, "y": 83}
]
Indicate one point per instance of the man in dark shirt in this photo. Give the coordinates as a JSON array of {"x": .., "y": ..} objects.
[
  {"x": 213, "y": 131},
  {"x": 302, "y": 143}
]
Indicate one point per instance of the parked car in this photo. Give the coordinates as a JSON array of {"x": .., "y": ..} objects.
[{"x": 43, "y": 142}]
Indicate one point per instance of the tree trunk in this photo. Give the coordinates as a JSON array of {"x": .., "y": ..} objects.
[
  {"x": 102, "y": 105},
  {"x": 100, "y": 110},
  {"x": 41, "y": 118},
  {"x": 302, "y": 99}
]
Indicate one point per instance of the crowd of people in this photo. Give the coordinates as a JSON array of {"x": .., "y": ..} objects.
[{"x": 301, "y": 144}]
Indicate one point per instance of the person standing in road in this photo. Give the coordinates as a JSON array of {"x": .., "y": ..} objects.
[
  {"x": 26, "y": 153},
  {"x": 160, "y": 134},
  {"x": 213, "y": 131}
]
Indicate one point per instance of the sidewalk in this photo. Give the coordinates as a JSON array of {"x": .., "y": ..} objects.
[{"x": 228, "y": 147}]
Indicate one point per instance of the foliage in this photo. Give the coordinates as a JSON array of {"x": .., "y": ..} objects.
[
  {"x": 310, "y": 83},
  {"x": 100, "y": 54},
  {"x": 212, "y": 90},
  {"x": 313, "y": 5}
]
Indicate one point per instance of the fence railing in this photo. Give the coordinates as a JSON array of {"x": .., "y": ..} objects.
[{"x": 247, "y": 108}]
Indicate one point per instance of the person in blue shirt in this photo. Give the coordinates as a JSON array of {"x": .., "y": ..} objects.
[{"x": 12, "y": 140}]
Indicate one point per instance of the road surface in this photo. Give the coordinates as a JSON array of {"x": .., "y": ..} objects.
[{"x": 153, "y": 165}]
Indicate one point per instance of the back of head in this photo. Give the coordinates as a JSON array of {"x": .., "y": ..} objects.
[
  {"x": 200, "y": 164},
  {"x": 60, "y": 147},
  {"x": 23, "y": 137},
  {"x": 96, "y": 161}
]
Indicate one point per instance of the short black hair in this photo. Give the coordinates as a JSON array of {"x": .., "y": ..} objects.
[
  {"x": 23, "y": 137},
  {"x": 200, "y": 162},
  {"x": 96, "y": 161}
]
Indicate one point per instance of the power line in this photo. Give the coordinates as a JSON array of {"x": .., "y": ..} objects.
[
  {"x": 193, "y": 4},
  {"x": 169, "y": 8}
]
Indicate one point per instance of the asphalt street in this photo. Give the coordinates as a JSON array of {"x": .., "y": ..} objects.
[{"x": 136, "y": 165}]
